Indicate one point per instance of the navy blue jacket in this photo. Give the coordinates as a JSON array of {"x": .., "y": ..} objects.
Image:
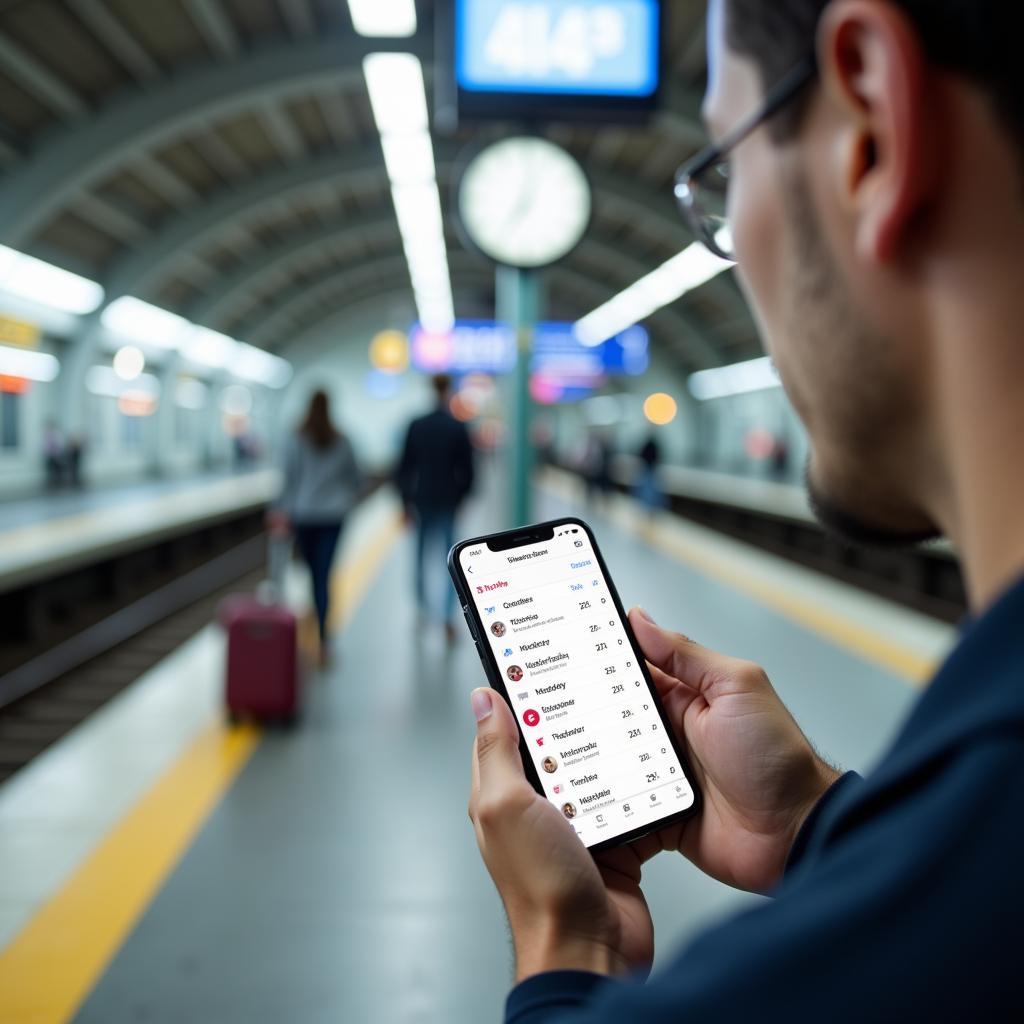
[
  {"x": 435, "y": 471},
  {"x": 903, "y": 897}
]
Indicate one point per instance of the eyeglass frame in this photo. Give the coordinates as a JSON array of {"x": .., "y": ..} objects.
[{"x": 786, "y": 90}]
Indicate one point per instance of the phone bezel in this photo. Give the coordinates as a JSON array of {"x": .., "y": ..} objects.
[{"x": 508, "y": 540}]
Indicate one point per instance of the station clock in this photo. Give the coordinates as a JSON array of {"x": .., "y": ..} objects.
[{"x": 524, "y": 202}]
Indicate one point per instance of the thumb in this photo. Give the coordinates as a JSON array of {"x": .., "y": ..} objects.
[
  {"x": 497, "y": 765},
  {"x": 676, "y": 655}
]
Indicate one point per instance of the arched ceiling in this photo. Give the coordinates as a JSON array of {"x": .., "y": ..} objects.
[{"x": 219, "y": 158}]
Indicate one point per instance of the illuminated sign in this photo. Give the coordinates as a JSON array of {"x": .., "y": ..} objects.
[
  {"x": 18, "y": 332},
  {"x": 483, "y": 346},
  {"x": 586, "y": 47},
  {"x": 550, "y": 58}
]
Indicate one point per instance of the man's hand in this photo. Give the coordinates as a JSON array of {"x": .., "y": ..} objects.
[
  {"x": 758, "y": 773},
  {"x": 567, "y": 910}
]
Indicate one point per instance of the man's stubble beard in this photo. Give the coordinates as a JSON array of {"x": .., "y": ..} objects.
[{"x": 866, "y": 393}]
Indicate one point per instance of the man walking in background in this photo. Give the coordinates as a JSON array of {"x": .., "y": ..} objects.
[{"x": 435, "y": 474}]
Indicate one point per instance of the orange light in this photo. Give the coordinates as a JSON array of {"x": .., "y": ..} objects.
[
  {"x": 136, "y": 403},
  {"x": 660, "y": 409},
  {"x": 13, "y": 385},
  {"x": 389, "y": 352},
  {"x": 462, "y": 409}
]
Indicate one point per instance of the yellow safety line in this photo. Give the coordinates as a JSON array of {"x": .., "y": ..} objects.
[
  {"x": 915, "y": 668},
  {"x": 55, "y": 961},
  {"x": 865, "y": 643}
]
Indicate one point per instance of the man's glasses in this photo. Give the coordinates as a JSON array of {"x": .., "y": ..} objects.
[{"x": 702, "y": 183}]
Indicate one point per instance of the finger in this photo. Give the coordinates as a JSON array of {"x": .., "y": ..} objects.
[
  {"x": 499, "y": 768},
  {"x": 667, "y": 685},
  {"x": 676, "y": 655}
]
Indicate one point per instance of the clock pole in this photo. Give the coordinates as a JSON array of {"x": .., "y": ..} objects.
[{"x": 518, "y": 301}]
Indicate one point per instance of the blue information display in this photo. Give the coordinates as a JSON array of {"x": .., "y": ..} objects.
[
  {"x": 586, "y": 48},
  {"x": 483, "y": 346}
]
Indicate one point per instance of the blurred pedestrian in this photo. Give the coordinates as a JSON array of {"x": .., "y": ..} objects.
[
  {"x": 321, "y": 484},
  {"x": 434, "y": 477},
  {"x": 53, "y": 455},
  {"x": 597, "y": 466},
  {"x": 73, "y": 460},
  {"x": 647, "y": 486}
]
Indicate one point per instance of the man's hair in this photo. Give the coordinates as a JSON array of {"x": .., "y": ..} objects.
[
  {"x": 442, "y": 385},
  {"x": 975, "y": 38}
]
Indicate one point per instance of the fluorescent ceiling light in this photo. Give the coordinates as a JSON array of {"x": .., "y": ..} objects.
[
  {"x": 29, "y": 278},
  {"x": 688, "y": 270},
  {"x": 409, "y": 158},
  {"x": 383, "y": 17},
  {"x": 260, "y": 367},
  {"x": 419, "y": 212},
  {"x": 209, "y": 348},
  {"x": 738, "y": 379},
  {"x": 397, "y": 95},
  {"x": 144, "y": 323},
  {"x": 28, "y": 365}
]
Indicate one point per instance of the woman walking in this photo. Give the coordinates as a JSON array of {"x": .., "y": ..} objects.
[{"x": 321, "y": 484}]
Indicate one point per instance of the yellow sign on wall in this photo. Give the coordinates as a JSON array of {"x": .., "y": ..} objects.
[{"x": 18, "y": 332}]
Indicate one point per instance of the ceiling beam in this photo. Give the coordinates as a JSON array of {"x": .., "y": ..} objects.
[
  {"x": 234, "y": 288},
  {"x": 283, "y": 131},
  {"x": 38, "y": 80},
  {"x": 141, "y": 121},
  {"x": 117, "y": 40},
  {"x": 109, "y": 218},
  {"x": 214, "y": 26},
  {"x": 298, "y": 17},
  {"x": 162, "y": 180}
]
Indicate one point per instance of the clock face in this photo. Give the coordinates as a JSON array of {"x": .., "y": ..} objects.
[{"x": 525, "y": 202}]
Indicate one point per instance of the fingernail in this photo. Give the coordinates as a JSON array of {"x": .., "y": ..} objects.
[
  {"x": 481, "y": 701},
  {"x": 644, "y": 614}
]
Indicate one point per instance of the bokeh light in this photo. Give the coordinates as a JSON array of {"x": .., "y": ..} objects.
[
  {"x": 660, "y": 409},
  {"x": 389, "y": 352}
]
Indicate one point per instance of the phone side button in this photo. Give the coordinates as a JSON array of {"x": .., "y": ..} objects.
[{"x": 469, "y": 622}]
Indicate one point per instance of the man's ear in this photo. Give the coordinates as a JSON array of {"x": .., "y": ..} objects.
[{"x": 886, "y": 153}]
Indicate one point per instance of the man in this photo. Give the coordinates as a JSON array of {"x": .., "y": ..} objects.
[
  {"x": 876, "y": 208},
  {"x": 434, "y": 477}
]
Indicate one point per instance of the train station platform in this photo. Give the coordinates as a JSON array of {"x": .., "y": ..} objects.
[
  {"x": 52, "y": 533},
  {"x": 157, "y": 865}
]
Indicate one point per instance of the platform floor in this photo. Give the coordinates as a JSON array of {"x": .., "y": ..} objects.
[
  {"x": 48, "y": 505},
  {"x": 330, "y": 873}
]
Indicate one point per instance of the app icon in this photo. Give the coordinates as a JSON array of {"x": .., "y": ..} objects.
[
  {"x": 600, "y": 817},
  {"x": 508, "y": 652},
  {"x": 654, "y": 796},
  {"x": 556, "y": 789},
  {"x": 523, "y": 696},
  {"x": 491, "y": 611},
  {"x": 625, "y": 807},
  {"x": 540, "y": 741},
  {"x": 531, "y": 717}
]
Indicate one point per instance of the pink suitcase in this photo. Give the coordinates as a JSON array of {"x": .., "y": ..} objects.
[{"x": 263, "y": 660}]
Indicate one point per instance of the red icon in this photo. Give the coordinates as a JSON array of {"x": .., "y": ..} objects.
[
  {"x": 531, "y": 718},
  {"x": 540, "y": 741},
  {"x": 558, "y": 789}
]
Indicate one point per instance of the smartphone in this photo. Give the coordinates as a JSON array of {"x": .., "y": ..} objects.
[{"x": 556, "y": 644}]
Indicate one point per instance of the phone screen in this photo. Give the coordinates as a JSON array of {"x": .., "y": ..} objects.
[{"x": 589, "y": 717}]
